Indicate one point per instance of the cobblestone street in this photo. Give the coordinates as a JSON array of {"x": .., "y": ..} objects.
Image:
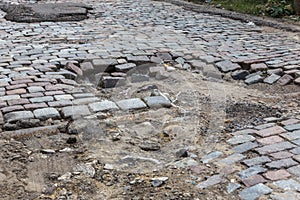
[{"x": 146, "y": 99}]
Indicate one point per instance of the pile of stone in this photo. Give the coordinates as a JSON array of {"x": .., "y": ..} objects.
[{"x": 261, "y": 72}]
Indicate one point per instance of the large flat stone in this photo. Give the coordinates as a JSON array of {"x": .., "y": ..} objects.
[
  {"x": 227, "y": 66},
  {"x": 254, "y": 192},
  {"x": 131, "y": 104},
  {"x": 46, "y": 113},
  {"x": 157, "y": 102},
  {"x": 103, "y": 106},
  {"x": 45, "y": 12},
  {"x": 75, "y": 111},
  {"x": 18, "y": 115}
]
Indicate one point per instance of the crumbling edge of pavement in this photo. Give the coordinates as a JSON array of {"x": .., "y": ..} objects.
[{"x": 261, "y": 21}]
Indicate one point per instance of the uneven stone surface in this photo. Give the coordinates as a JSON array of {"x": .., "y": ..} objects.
[{"x": 230, "y": 131}]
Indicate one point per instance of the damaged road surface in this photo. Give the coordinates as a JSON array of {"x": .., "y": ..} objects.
[
  {"x": 52, "y": 12},
  {"x": 145, "y": 100}
]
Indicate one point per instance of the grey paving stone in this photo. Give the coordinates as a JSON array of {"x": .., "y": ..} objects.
[
  {"x": 63, "y": 97},
  {"x": 227, "y": 66},
  {"x": 232, "y": 187},
  {"x": 295, "y": 151},
  {"x": 35, "y": 89},
  {"x": 264, "y": 126},
  {"x": 46, "y": 113},
  {"x": 9, "y": 97},
  {"x": 232, "y": 158},
  {"x": 272, "y": 79},
  {"x": 14, "y": 116},
  {"x": 75, "y": 111},
  {"x": 239, "y": 74},
  {"x": 157, "y": 102},
  {"x": 240, "y": 139},
  {"x": 111, "y": 82},
  {"x": 254, "y": 79},
  {"x": 87, "y": 100},
  {"x": 289, "y": 195},
  {"x": 83, "y": 95},
  {"x": 125, "y": 67},
  {"x": 257, "y": 161},
  {"x": 295, "y": 170},
  {"x": 271, "y": 148},
  {"x": 244, "y": 147},
  {"x": 135, "y": 78},
  {"x": 103, "y": 106},
  {"x": 138, "y": 58},
  {"x": 297, "y": 142},
  {"x": 292, "y": 127},
  {"x": 131, "y": 104},
  {"x": 283, "y": 163},
  {"x": 41, "y": 99},
  {"x": 211, "y": 156},
  {"x": 254, "y": 192},
  {"x": 102, "y": 65},
  {"x": 244, "y": 131},
  {"x": 292, "y": 135},
  {"x": 289, "y": 184},
  {"x": 61, "y": 103},
  {"x": 251, "y": 171},
  {"x": 213, "y": 180}
]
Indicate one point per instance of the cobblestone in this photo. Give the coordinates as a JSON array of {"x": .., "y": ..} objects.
[
  {"x": 130, "y": 104},
  {"x": 289, "y": 184},
  {"x": 271, "y": 148},
  {"x": 286, "y": 195},
  {"x": 213, "y": 180},
  {"x": 45, "y": 113},
  {"x": 232, "y": 158},
  {"x": 255, "y": 192},
  {"x": 283, "y": 163},
  {"x": 277, "y": 175},
  {"x": 14, "y": 116},
  {"x": 253, "y": 180},
  {"x": 240, "y": 139},
  {"x": 257, "y": 161},
  {"x": 295, "y": 170},
  {"x": 271, "y": 131},
  {"x": 103, "y": 106},
  {"x": 75, "y": 111},
  {"x": 251, "y": 171}
]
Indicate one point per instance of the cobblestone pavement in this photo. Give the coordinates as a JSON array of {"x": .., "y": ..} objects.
[{"x": 43, "y": 66}]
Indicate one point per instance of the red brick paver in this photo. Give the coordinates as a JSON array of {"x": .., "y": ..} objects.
[{"x": 277, "y": 175}]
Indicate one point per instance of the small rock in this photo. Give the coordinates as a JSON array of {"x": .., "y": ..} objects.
[
  {"x": 65, "y": 177},
  {"x": 211, "y": 156},
  {"x": 149, "y": 146},
  {"x": 108, "y": 166},
  {"x": 182, "y": 153},
  {"x": 48, "y": 151},
  {"x": 239, "y": 74},
  {"x": 71, "y": 140}
]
